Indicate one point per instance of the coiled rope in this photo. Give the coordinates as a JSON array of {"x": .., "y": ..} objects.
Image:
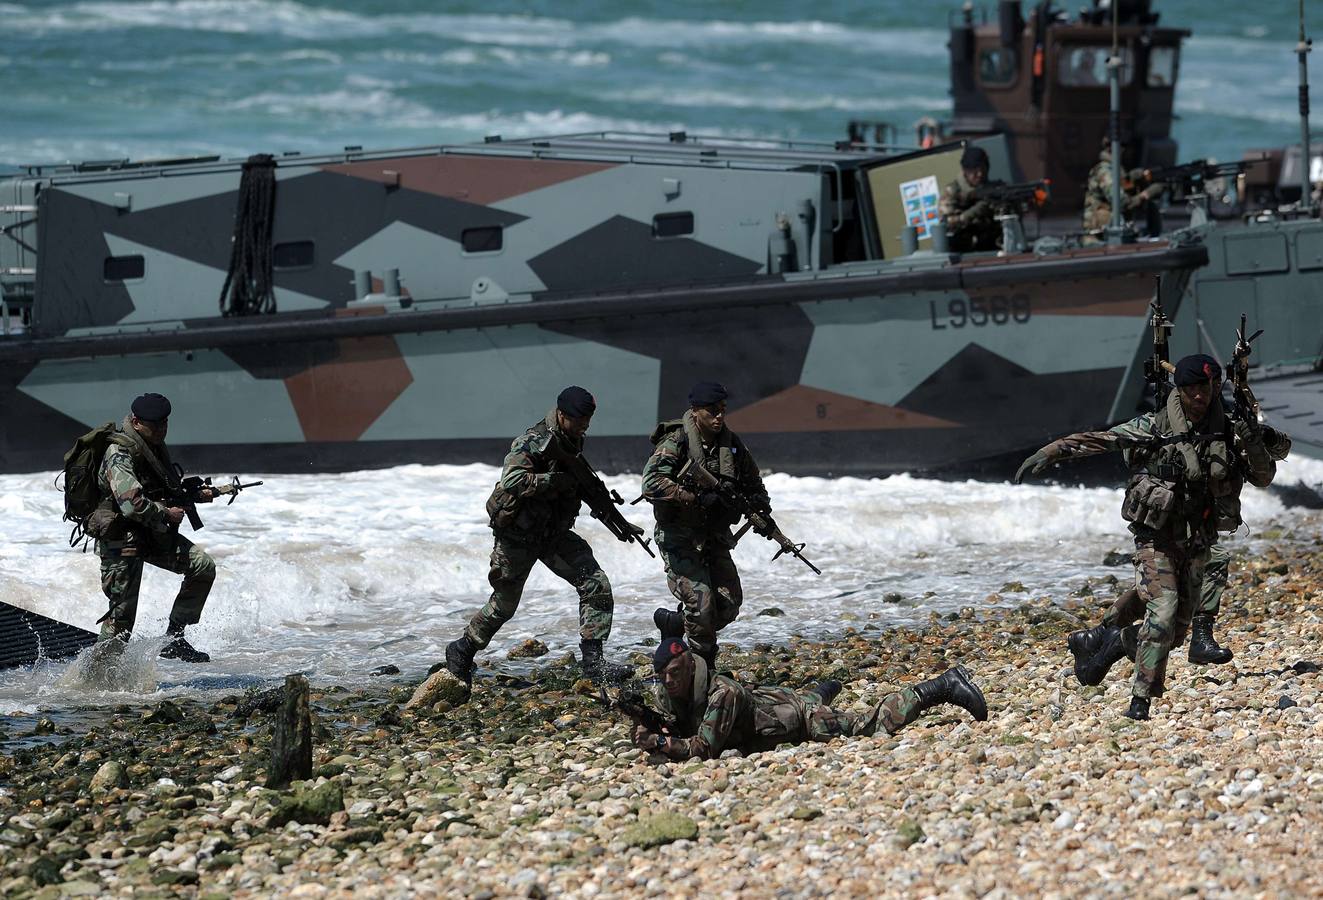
[{"x": 249, "y": 275}]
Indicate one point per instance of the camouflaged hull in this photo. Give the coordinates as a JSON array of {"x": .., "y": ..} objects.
[{"x": 842, "y": 363}]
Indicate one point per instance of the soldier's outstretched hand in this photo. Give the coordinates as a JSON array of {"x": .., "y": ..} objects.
[
  {"x": 1033, "y": 465},
  {"x": 644, "y": 739}
]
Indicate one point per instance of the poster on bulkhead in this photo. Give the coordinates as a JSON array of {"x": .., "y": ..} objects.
[{"x": 920, "y": 198}]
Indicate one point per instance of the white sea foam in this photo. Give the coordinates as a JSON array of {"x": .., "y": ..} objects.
[{"x": 336, "y": 574}]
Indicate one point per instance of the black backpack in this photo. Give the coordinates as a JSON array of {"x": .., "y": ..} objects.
[{"x": 81, "y": 465}]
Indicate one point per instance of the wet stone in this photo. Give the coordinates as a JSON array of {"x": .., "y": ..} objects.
[
  {"x": 165, "y": 713},
  {"x": 440, "y": 687},
  {"x": 110, "y": 776},
  {"x": 528, "y": 649}
]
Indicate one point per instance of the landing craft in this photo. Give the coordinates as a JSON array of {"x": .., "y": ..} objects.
[
  {"x": 1041, "y": 80},
  {"x": 424, "y": 304}
]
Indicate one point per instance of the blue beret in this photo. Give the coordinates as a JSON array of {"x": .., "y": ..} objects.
[
  {"x": 705, "y": 393},
  {"x": 576, "y": 402},
  {"x": 151, "y": 408}
]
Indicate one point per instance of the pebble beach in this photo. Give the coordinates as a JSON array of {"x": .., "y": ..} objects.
[{"x": 532, "y": 789}]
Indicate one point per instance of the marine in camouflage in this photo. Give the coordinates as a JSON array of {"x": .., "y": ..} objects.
[
  {"x": 695, "y": 542},
  {"x": 1181, "y": 492},
  {"x": 971, "y": 223},
  {"x": 532, "y": 511},
  {"x": 140, "y": 533},
  {"x": 1137, "y": 196},
  {"x": 727, "y": 715}
]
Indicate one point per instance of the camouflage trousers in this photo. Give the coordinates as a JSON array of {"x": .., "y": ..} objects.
[
  {"x": 570, "y": 558},
  {"x": 1129, "y": 608},
  {"x": 795, "y": 717},
  {"x": 121, "y": 579},
  {"x": 892, "y": 714},
  {"x": 1169, "y": 581},
  {"x": 703, "y": 577}
]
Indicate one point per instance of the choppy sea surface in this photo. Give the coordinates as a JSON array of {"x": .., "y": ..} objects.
[
  {"x": 106, "y": 79},
  {"x": 333, "y": 575}
]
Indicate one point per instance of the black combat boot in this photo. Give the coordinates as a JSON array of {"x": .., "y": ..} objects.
[
  {"x": 179, "y": 648},
  {"x": 1095, "y": 669},
  {"x": 1084, "y": 644},
  {"x": 1138, "y": 709},
  {"x": 459, "y": 660},
  {"x": 1204, "y": 648},
  {"x": 670, "y": 622},
  {"x": 953, "y": 686},
  {"x": 827, "y": 690},
  {"x": 598, "y": 669}
]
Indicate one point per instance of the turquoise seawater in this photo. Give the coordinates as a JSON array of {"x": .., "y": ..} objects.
[{"x": 100, "y": 80}]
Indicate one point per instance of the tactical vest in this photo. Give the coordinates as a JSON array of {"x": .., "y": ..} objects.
[
  {"x": 533, "y": 517},
  {"x": 1185, "y": 490},
  {"x": 154, "y": 472},
  {"x": 718, "y": 458}
]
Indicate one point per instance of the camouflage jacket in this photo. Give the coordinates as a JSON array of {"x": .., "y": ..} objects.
[
  {"x": 1203, "y": 477},
  {"x": 722, "y": 714},
  {"x": 675, "y": 504},
  {"x": 970, "y": 222},
  {"x": 527, "y": 503},
  {"x": 126, "y": 478},
  {"x": 1098, "y": 193}
]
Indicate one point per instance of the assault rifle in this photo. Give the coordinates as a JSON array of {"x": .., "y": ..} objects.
[
  {"x": 602, "y": 501},
  {"x": 1158, "y": 368},
  {"x": 1194, "y": 175},
  {"x": 636, "y": 710},
  {"x": 1246, "y": 404},
  {"x": 189, "y": 494},
  {"x": 703, "y": 480},
  {"x": 1027, "y": 193}
]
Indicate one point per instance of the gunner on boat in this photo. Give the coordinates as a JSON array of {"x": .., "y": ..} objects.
[{"x": 971, "y": 222}]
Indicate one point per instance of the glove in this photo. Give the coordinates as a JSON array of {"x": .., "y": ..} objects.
[
  {"x": 644, "y": 739},
  {"x": 1249, "y": 432},
  {"x": 770, "y": 524},
  {"x": 712, "y": 502},
  {"x": 1033, "y": 465},
  {"x": 560, "y": 483}
]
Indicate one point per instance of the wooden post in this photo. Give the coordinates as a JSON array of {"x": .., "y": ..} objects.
[{"x": 291, "y": 743}]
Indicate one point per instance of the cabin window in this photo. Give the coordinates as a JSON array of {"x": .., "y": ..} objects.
[
  {"x": 998, "y": 65},
  {"x": 123, "y": 268},
  {"x": 488, "y": 239},
  {"x": 292, "y": 255},
  {"x": 1162, "y": 67},
  {"x": 672, "y": 224},
  {"x": 1085, "y": 65}
]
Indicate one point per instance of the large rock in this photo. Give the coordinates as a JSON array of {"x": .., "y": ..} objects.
[
  {"x": 309, "y": 806},
  {"x": 663, "y": 828},
  {"x": 109, "y": 777},
  {"x": 441, "y": 685}
]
